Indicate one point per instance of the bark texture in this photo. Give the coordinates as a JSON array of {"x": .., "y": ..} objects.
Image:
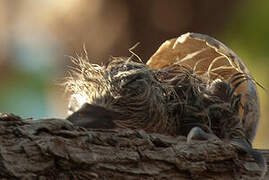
[{"x": 55, "y": 149}]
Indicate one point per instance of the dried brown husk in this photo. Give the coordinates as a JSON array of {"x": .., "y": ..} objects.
[{"x": 213, "y": 61}]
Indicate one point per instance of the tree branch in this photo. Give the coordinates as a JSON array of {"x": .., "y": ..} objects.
[{"x": 53, "y": 148}]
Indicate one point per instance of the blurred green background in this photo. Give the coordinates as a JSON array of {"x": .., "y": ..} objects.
[{"x": 37, "y": 36}]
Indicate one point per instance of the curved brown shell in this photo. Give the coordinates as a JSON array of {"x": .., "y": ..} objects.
[{"x": 211, "y": 59}]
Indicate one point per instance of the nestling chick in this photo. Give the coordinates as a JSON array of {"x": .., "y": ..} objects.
[{"x": 195, "y": 96}]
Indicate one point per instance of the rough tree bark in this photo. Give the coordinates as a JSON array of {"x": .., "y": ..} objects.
[{"x": 55, "y": 149}]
